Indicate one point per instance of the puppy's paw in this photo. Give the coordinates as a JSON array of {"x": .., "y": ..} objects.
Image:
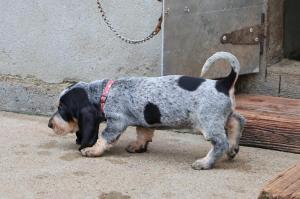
[
  {"x": 202, "y": 164},
  {"x": 96, "y": 150},
  {"x": 137, "y": 148},
  {"x": 232, "y": 152},
  {"x": 90, "y": 152}
]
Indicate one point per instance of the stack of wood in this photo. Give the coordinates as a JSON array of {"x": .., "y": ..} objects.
[
  {"x": 285, "y": 186},
  {"x": 272, "y": 122}
]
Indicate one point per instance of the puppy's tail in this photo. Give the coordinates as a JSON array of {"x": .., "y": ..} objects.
[{"x": 231, "y": 79}]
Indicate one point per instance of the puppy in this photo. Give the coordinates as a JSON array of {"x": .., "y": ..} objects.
[{"x": 149, "y": 103}]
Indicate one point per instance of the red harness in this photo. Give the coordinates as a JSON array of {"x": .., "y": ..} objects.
[{"x": 105, "y": 94}]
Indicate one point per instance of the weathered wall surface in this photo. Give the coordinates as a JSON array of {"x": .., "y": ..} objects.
[
  {"x": 44, "y": 43},
  {"x": 56, "y": 40},
  {"x": 28, "y": 95}
]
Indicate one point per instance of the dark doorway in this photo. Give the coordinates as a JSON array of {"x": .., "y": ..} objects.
[{"x": 292, "y": 29}]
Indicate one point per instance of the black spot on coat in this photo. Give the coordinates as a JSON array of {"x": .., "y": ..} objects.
[
  {"x": 190, "y": 83},
  {"x": 223, "y": 85},
  {"x": 152, "y": 114}
]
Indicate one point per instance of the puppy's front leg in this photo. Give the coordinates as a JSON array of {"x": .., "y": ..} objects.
[{"x": 109, "y": 136}]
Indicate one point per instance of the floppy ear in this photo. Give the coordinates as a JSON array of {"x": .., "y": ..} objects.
[
  {"x": 88, "y": 126},
  {"x": 75, "y": 99}
]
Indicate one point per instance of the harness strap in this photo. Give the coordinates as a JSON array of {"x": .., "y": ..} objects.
[{"x": 105, "y": 94}]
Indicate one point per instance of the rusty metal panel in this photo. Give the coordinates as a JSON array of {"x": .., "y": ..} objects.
[{"x": 192, "y": 32}]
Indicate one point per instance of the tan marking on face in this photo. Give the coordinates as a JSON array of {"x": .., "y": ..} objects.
[
  {"x": 98, "y": 148},
  {"x": 61, "y": 127},
  {"x": 144, "y": 135}
]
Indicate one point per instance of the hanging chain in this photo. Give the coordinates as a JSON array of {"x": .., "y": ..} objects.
[{"x": 130, "y": 41}]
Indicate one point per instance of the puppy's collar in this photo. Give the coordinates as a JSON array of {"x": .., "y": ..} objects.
[{"x": 105, "y": 94}]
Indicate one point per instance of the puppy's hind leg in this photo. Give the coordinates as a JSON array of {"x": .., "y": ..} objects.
[
  {"x": 144, "y": 136},
  {"x": 234, "y": 129},
  {"x": 219, "y": 141}
]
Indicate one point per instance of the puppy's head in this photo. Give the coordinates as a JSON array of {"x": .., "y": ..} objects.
[{"x": 71, "y": 101}]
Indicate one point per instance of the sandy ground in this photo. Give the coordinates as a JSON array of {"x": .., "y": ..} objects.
[{"x": 35, "y": 163}]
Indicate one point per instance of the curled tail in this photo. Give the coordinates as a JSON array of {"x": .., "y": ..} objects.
[{"x": 228, "y": 82}]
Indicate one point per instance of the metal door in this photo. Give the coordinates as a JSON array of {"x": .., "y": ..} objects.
[{"x": 195, "y": 29}]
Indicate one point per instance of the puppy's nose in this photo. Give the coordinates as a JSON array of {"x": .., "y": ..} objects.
[{"x": 50, "y": 125}]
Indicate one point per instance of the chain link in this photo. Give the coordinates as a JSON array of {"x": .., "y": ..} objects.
[{"x": 127, "y": 40}]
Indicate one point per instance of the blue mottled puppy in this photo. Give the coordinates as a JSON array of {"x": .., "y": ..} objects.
[{"x": 149, "y": 103}]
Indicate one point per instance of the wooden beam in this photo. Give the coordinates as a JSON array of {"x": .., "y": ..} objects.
[
  {"x": 272, "y": 122},
  {"x": 285, "y": 186}
]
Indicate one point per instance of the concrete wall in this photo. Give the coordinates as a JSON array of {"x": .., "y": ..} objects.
[
  {"x": 56, "y": 40},
  {"x": 45, "y": 42}
]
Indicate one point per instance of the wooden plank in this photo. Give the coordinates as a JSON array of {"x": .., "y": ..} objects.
[
  {"x": 285, "y": 186},
  {"x": 272, "y": 122}
]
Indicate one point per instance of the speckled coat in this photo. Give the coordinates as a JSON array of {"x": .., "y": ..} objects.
[{"x": 168, "y": 102}]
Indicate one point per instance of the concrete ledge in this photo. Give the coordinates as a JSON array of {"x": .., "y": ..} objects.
[
  {"x": 280, "y": 80},
  {"x": 28, "y": 95},
  {"x": 32, "y": 96},
  {"x": 288, "y": 73}
]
